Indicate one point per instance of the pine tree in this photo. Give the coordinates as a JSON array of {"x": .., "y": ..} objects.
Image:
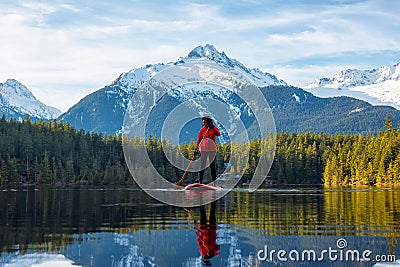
[
  {"x": 328, "y": 173},
  {"x": 388, "y": 123},
  {"x": 2, "y": 181},
  {"x": 70, "y": 173},
  {"x": 396, "y": 169}
]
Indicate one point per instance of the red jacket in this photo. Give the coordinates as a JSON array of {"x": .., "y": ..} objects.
[
  {"x": 209, "y": 139},
  {"x": 206, "y": 239}
]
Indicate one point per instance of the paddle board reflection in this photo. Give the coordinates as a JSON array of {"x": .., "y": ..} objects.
[{"x": 206, "y": 232}]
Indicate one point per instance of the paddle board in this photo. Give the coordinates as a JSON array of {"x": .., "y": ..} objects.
[{"x": 202, "y": 186}]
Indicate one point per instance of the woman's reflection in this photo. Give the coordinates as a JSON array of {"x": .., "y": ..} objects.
[{"x": 206, "y": 233}]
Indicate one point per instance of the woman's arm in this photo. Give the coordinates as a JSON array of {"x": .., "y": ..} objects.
[{"x": 216, "y": 131}]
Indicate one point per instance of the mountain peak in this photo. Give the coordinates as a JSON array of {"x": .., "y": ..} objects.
[
  {"x": 17, "y": 97},
  {"x": 130, "y": 81},
  {"x": 355, "y": 78},
  {"x": 14, "y": 89},
  {"x": 379, "y": 86},
  {"x": 209, "y": 52},
  {"x": 206, "y": 51}
]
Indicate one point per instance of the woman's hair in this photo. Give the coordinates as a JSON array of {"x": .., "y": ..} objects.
[{"x": 209, "y": 121}]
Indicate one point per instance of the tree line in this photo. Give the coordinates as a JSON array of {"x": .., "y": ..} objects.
[
  {"x": 364, "y": 160},
  {"x": 53, "y": 152}
]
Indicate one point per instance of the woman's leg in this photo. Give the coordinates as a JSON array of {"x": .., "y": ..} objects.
[
  {"x": 203, "y": 161},
  {"x": 212, "y": 157}
]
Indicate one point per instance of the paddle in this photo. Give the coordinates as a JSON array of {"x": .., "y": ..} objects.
[{"x": 180, "y": 182}]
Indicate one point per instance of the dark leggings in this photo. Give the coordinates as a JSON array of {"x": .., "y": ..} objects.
[
  {"x": 203, "y": 215},
  {"x": 210, "y": 155}
]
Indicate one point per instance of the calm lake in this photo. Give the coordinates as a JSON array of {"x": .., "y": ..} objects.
[{"x": 278, "y": 226}]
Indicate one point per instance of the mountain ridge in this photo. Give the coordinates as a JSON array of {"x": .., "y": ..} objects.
[
  {"x": 378, "y": 86},
  {"x": 16, "y": 100},
  {"x": 115, "y": 97},
  {"x": 294, "y": 109}
]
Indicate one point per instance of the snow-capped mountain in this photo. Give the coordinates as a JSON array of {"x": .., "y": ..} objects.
[
  {"x": 208, "y": 52},
  {"x": 294, "y": 109},
  {"x": 379, "y": 86},
  {"x": 133, "y": 79},
  {"x": 16, "y": 101},
  {"x": 103, "y": 110}
]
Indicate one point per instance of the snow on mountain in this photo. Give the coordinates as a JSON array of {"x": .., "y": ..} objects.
[
  {"x": 296, "y": 110},
  {"x": 130, "y": 81},
  {"x": 133, "y": 79},
  {"x": 377, "y": 86},
  {"x": 237, "y": 109},
  {"x": 17, "y": 98},
  {"x": 104, "y": 109},
  {"x": 209, "y": 52}
]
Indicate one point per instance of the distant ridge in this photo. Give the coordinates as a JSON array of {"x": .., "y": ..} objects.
[
  {"x": 380, "y": 86},
  {"x": 16, "y": 100}
]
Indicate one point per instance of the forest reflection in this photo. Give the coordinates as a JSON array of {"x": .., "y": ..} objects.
[{"x": 47, "y": 219}]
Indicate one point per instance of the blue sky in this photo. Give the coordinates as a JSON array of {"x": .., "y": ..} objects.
[{"x": 63, "y": 50}]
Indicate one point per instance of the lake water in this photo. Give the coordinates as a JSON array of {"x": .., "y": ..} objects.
[{"x": 310, "y": 226}]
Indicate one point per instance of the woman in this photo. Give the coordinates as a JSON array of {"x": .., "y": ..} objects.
[{"x": 206, "y": 143}]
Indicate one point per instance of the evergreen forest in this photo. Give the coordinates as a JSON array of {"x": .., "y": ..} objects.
[{"x": 56, "y": 153}]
